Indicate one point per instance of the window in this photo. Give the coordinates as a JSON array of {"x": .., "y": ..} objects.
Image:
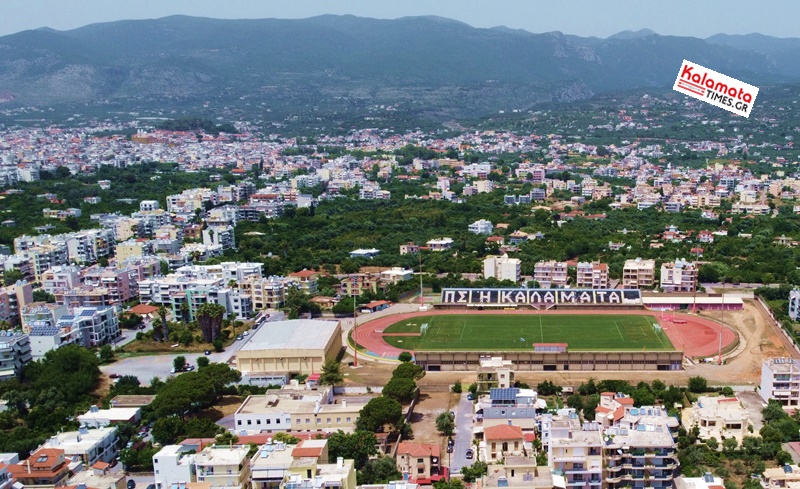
[
  {"x": 338, "y": 420},
  {"x": 348, "y": 419},
  {"x": 268, "y": 421},
  {"x": 249, "y": 422},
  {"x": 258, "y": 421},
  {"x": 419, "y": 461},
  {"x": 155, "y": 460},
  {"x": 239, "y": 422},
  {"x": 421, "y": 470},
  {"x": 319, "y": 420},
  {"x": 308, "y": 421}
]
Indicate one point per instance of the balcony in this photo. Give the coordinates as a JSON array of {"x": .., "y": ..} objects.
[
  {"x": 613, "y": 479},
  {"x": 569, "y": 459}
]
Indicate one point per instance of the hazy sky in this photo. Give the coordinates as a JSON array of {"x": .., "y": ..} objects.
[{"x": 699, "y": 18}]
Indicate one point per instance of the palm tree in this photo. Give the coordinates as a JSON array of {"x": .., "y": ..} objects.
[
  {"x": 209, "y": 318},
  {"x": 185, "y": 312},
  {"x": 162, "y": 312}
]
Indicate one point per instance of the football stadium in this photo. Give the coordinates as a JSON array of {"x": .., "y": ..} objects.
[{"x": 541, "y": 329}]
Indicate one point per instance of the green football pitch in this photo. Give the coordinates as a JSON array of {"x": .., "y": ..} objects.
[{"x": 488, "y": 332}]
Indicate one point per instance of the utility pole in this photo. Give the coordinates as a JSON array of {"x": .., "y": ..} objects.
[
  {"x": 719, "y": 352},
  {"x": 421, "y": 296},
  {"x": 354, "y": 283}
]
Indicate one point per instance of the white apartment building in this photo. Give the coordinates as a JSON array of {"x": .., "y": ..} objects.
[
  {"x": 219, "y": 236},
  {"x": 638, "y": 273},
  {"x": 90, "y": 446},
  {"x": 678, "y": 276},
  {"x": 15, "y": 353},
  {"x": 172, "y": 466},
  {"x": 397, "y": 274},
  {"x": 794, "y": 304},
  {"x": 440, "y": 244},
  {"x": 46, "y": 337},
  {"x": 481, "y": 226},
  {"x": 717, "y": 417},
  {"x": 148, "y": 205},
  {"x": 97, "y": 325},
  {"x": 575, "y": 449},
  {"x": 224, "y": 466},
  {"x": 640, "y": 450},
  {"x": 502, "y": 268},
  {"x": 780, "y": 380},
  {"x": 551, "y": 274}
]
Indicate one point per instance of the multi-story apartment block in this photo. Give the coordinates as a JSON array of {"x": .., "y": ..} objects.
[
  {"x": 551, "y": 273},
  {"x": 510, "y": 404},
  {"x": 638, "y": 273},
  {"x": 149, "y": 205},
  {"x": 234, "y": 302},
  {"x": 45, "y": 337},
  {"x": 161, "y": 290},
  {"x": 190, "y": 200},
  {"x": 502, "y": 268},
  {"x": 780, "y": 380},
  {"x": 481, "y": 226},
  {"x": 640, "y": 450},
  {"x": 717, "y": 417},
  {"x": 308, "y": 473},
  {"x": 574, "y": 450},
  {"x": 442, "y": 244},
  {"x": 171, "y": 465},
  {"x": 265, "y": 293},
  {"x": 42, "y": 313},
  {"x": 409, "y": 249},
  {"x": 61, "y": 278},
  {"x": 15, "y": 353},
  {"x": 359, "y": 283},
  {"x": 298, "y": 411},
  {"x": 418, "y": 462},
  {"x": 85, "y": 296},
  {"x": 13, "y": 299},
  {"x": 794, "y": 304},
  {"x": 224, "y": 466},
  {"x": 220, "y": 236},
  {"x": 678, "y": 276},
  {"x": 45, "y": 257},
  {"x": 89, "y": 446},
  {"x": 271, "y": 462},
  {"x": 592, "y": 275},
  {"x": 305, "y": 280},
  {"x": 494, "y": 372},
  {"x": 120, "y": 283},
  {"x": 98, "y": 326}
]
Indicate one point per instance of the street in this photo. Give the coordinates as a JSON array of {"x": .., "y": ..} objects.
[
  {"x": 146, "y": 367},
  {"x": 463, "y": 440}
]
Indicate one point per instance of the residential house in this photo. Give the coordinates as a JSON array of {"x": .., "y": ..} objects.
[
  {"x": 419, "y": 462},
  {"x": 90, "y": 446},
  {"x": 481, "y": 226},
  {"x": 502, "y": 440},
  {"x": 171, "y": 465},
  {"x": 717, "y": 417},
  {"x": 224, "y": 466},
  {"x": 45, "y": 468}
]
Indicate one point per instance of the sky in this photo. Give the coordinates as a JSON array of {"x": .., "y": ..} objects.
[{"x": 600, "y": 18}]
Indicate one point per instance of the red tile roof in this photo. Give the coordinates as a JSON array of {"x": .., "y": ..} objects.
[
  {"x": 502, "y": 432},
  {"x": 419, "y": 449}
]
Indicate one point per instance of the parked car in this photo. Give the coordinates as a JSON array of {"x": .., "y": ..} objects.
[
  {"x": 470, "y": 454},
  {"x": 172, "y": 370},
  {"x": 240, "y": 337},
  {"x": 189, "y": 367},
  {"x": 246, "y": 333},
  {"x": 131, "y": 484},
  {"x": 114, "y": 376},
  {"x": 207, "y": 352},
  {"x": 470, "y": 397},
  {"x": 449, "y": 448}
]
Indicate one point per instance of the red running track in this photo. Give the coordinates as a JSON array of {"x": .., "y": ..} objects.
[{"x": 697, "y": 337}]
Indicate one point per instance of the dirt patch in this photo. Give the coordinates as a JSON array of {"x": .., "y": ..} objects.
[
  {"x": 429, "y": 406},
  {"x": 225, "y": 407},
  {"x": 103, "y": 387}
]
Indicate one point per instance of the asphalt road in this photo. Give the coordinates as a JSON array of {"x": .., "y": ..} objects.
[
  {"x": 145, "y": 368},
  {"x": 463, "y": 440}
]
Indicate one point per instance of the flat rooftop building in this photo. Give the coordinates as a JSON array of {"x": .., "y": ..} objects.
[{"x": 297, "y": 345}]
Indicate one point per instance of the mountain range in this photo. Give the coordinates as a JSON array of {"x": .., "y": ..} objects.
[{"x": 427, "y": 61}]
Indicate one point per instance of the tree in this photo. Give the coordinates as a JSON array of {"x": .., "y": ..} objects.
[
  {"x": 283, "y": 437},
  {"x": 473, "y": 389},
  {"x": 547, "y": 388},
  {"x": 209, "y": 318},
  {"x": 698, "y": 384},
  {"x": 575, "y": 401},
  {"x": 729, "y": 445},
  {"x": 449, "y": 484},
  {"x": 445, "y": 424},
  {"x": 162, "y": 313},
  {"x": 401, "y": 389},
  {"x": 106, "y": 354},
  {"x": 226, "y": 438},
  {"x": 773, "y": 411},
  {"x": 179, "y": 363},
  {"x": 409, "y": 371},
  {"x": 405, "y": 357},
  {"x": 358, "y": 446},
  {"x": 457, "y": 387},
  {"x": 166, "y": 430},
  {"x": 10, "y": 277},
  {"x": 378, "y": 413},
  {"x": 475, "y": 471},
  {"x": 331, "y": 373},
  {"x": 202, "y": 362},
  {"x": 41, "y": 295},
  {"x": 378, "y": 471}
]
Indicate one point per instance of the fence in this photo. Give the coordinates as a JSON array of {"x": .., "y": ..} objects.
[{"x": 777, "y": 323}]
